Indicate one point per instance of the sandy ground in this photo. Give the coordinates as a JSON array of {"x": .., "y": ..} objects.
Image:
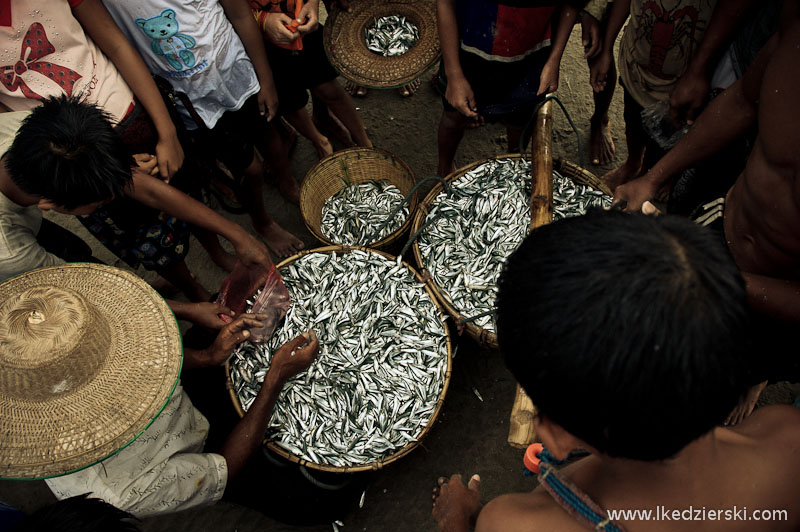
[{"x": 470, "y": 435}]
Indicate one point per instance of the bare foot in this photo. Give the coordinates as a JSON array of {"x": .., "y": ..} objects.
[
  {"x": 410, "y": 89},
  {"x": 620, "y": 175},
  {"x": 602, "y": 145},
  {"x": 323, "y": 147},
  {"x": 746, "y": 405},
  {"x": 333, "y": 128},
  {"x": 279, "y": 240},
  {"x": 354, "y": 89}
]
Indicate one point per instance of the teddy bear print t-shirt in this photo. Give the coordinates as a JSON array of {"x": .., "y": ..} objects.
[
  {"x": 193, "y": 45},
  {"x": 44, "y": 52}
]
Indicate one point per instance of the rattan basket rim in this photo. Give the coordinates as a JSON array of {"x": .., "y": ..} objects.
[
  {"x": 347, "y": 154},
  {"x": 483, "y": 336},
  {"x": 378, "y": 464},
  {"x": 343, "y": 28}
]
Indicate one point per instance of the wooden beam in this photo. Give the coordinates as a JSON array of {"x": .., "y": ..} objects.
[{"x": 520, "y": 426}]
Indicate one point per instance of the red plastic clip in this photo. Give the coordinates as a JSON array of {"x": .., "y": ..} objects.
[{"x": 531, "y": 458}]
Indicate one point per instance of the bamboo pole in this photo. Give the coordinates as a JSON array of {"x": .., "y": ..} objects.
[{"x": 520, "y": 426}]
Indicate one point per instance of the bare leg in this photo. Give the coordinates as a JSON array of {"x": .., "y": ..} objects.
[
  {"x": 180, "y": 276},
  {"x": 210, "y": 243},
  {"x": 273, "y": 149},
  {"x": 280, "y": 241},
  {"x": 342, "y": 107},
  {"x": 451, "y": 131},
  {"x": 301, "y": 121},
  {"x": 329, "y": 124},
  {"x": 514, "y": 134},
  {"x": 632, "y": 168},
  {"x": 600, "y": 142}
]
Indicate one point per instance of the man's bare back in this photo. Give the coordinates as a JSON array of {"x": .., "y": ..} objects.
[{"x": 734, "y": 469}]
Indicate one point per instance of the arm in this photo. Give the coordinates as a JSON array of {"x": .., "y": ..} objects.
[
  {"x": 726, "y": 118},
  {"x": 778, "y": 298},
  {"x": 566, "y": 16},
  {"x": 203, "y": 314},
  {"x": 245, "y": 25},
  {"x": 459, "y": 92},
  {"x": 159, "y": 195},
  {"x": 291, "y": 359},
  {"x": 99, "y": 25},
  {"x": 620, "y": 9},
  {"x": 691, "y": 89}
]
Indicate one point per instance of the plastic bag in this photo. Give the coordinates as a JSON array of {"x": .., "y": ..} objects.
[
  {"x": 658, "y": 125},
  {"x": 266, "y": 286}
]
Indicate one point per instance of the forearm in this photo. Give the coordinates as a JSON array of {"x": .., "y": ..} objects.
[
  {"x": 778, "y": 298},
  {"x": 248, "y": 434},
  {"x": 724, "y": 23},
  {"x": 241, "y": 17},
  {"x": 566, "y": 17},
  {"x": 159, "y": 195},
  {"x": 620, "y": 9},
  {"x": 448, "y": 37},
  {"x": 100, "y": 26},
  {"x": 728, "y": 117}
]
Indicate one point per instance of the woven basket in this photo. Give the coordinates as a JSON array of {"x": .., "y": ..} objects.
[
  {"x": 483, "y": 336},
  {"x": 411, "y": 445},
  {"x": 345, "y": 43},
  {"x": 353, "y": 166}
]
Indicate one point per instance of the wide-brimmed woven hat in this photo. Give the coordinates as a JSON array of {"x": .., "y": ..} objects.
[
  {"x": 89, "y": 355},
  {"x": 346, "y": 47}
]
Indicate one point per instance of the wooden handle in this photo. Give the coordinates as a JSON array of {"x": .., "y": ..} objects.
[{"x": 520, "y": 425}]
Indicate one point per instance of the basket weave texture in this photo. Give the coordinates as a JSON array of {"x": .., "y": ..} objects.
[
  {"x": 484, "y": 337},
  {"x": 411, "y": 445},
  {"x": 351, "y": 167},
  {"x": 89, "y": 355},
  {"x": 345, "y": 43}
]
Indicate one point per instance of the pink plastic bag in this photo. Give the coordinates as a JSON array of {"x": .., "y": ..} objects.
[{"x": 273, "y": 300}]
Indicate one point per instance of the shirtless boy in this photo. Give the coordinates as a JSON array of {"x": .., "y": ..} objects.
[{"x": 629, "y": 333}]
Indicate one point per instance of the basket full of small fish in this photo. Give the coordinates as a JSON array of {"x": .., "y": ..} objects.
[
  {"x": 382, "y": 372},
  {"x": 467, "y": 232},
  {"x": 382, "y": 44},
  {"x": 356, "y": 197}
]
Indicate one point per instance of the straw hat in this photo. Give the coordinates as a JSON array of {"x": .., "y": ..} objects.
[
  {"x": 346, "y": 47},
  {"x": 89, "y": 355}
]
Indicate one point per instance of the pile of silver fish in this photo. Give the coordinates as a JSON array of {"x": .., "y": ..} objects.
[
  {"x": 392, "y": 35},
  {"x": 480, "y": 222},
  {"x": 359, "y": 214},
  {"x": 381, "y": 367}
]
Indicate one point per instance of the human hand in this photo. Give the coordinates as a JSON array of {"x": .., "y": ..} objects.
[
  {"x": 308, "y": 17},
  {"x": 598, "y": 70},
  {"x": 548, "y": 79},
  {"x": 590, "y": 36},
  {"x": 169, "y": 153},
  {"x": 229, "y": 337},
  {"x": 268, "y": 102},
  {"x": 147, "y": 163},
  {"x": 633, "y": 195},
  {"x": 295, "y": 356},
  {"x": 275, "y": 28},
  {"x": 456, "y": 506},
  {"x": 206, "y": 314},
  {"x": 687, "y": 97},
  {"x": 459, "y": 94}
]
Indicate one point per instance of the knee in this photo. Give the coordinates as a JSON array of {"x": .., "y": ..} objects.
[{"x": 329, "y": 92}]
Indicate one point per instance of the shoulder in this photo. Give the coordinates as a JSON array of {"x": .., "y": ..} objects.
[
  {"x": 775, "y": 424},
  {"x": 524, "y": 512}
]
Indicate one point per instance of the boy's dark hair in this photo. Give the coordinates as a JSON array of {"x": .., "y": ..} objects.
[
  {"x": 629, "y": 331},
  {"x": 78, "y": 514},
  {"x": 67, "y": 151}
]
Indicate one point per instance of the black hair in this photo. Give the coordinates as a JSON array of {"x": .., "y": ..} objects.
[
  {"x": 67, "y": 151},
  {"x": 629, "y": 331},
  {"x": 78, "y": 514}
]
